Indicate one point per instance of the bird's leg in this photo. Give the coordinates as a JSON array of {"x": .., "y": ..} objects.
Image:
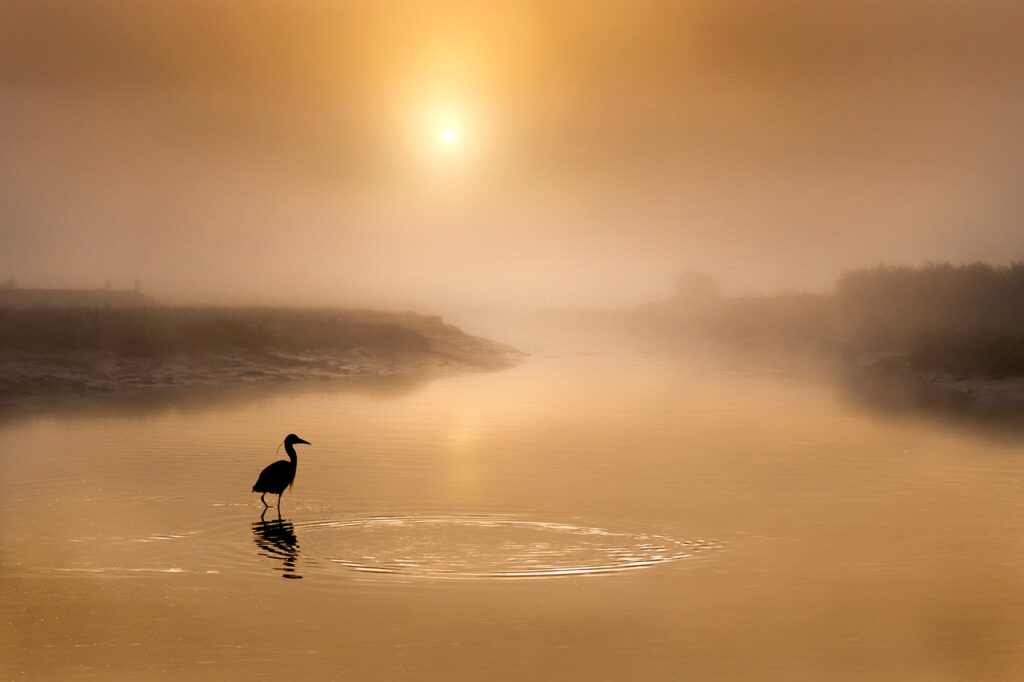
[
  {"x": 265, "y": 505},
  {"x": 279, "y": 502}
]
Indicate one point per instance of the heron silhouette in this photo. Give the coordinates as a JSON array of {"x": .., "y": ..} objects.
[{"x": 279, "y": 476}]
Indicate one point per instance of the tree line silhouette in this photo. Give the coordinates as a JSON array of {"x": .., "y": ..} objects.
[{"x": 964, "y": 320}]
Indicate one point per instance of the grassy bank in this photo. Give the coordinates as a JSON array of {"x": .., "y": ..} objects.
[
  {"x": 159, "y": 332},
  {"x": 92, "y": 350}
]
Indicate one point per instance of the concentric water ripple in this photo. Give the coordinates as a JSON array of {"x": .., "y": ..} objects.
[{"x": 483, "y": 547}]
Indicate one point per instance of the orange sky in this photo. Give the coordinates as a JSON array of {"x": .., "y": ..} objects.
[{"x": 233, "y": 150}]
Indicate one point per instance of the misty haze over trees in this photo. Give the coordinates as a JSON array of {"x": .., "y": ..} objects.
[{"x": 966, "y": 321}]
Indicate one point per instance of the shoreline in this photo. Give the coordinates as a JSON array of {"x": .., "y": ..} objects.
[
  {"x": 31, "y": 377},
  {"x": 890, "y": 382}
]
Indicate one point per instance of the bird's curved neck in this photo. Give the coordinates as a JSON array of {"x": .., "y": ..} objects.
[{"x": 291, "y": 453}]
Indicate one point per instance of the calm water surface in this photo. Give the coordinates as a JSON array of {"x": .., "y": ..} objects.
[{"x": 584, "y": 516}]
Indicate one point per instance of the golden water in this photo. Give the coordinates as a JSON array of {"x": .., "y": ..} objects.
[{"x": 604, "y": 516}]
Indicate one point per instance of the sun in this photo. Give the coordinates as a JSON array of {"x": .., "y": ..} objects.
[
  {"x": 446, "y": 137},
  {"x": 449, "y": 136}
]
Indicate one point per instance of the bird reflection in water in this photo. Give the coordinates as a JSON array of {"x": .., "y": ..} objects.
[{"x": 276, "y": 540}]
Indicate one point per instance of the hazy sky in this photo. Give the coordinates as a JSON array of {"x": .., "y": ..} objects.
[{"x": 232, "y": 150}]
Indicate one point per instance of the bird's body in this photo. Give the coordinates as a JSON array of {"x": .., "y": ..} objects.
[{"x": 278, "y": 477}]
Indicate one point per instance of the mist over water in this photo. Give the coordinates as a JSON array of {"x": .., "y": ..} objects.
[{"x": 594, "y": 511}]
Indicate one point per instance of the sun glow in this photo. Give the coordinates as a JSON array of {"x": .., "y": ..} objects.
[
  {"x": 447, "y": 138},
  {"x": 447, "y": 127}
]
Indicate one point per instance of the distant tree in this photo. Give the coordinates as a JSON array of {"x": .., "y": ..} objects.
[
  {"x": 694, "y": 285},
  {"x": 10, "y": 283}
]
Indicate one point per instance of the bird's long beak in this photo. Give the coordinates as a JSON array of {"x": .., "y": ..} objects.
[{"x": 304, "y": 442}]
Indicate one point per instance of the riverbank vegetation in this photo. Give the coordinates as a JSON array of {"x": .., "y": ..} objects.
[
  {"x": 163, "y": 331},
  {"x": 962, "y": 321}
]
